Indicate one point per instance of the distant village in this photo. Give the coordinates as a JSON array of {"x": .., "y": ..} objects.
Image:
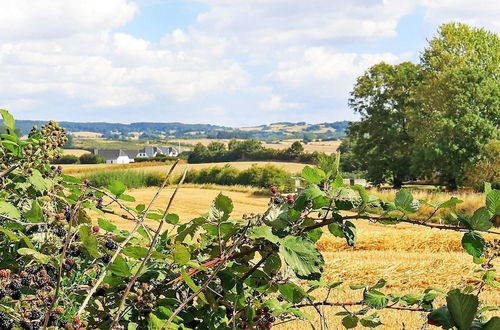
[{"x": 123, "y": 156}]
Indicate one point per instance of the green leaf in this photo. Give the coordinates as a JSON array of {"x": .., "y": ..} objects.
[
  {"x": 350, "y": 321},
  {"x": 292, "y": 292},
  {"x": 272, "y": 264},
  {"x": 40, "y": 257},
  {"x": 89, "y": 241},
  {"x": 38, "y": 182},
  {"x": 493, "y": 202},
  {"x": 380, "y": 284},
  {"x": 480, "y": 220},
  {"x": 154, "y": 216},
  {"x": 336, "y": 229},
  {"x": 371, "y": 321},
  {"x": 117, "y": 187},
  {"x": 181, "y": 254},
  {"x": 349, "y": 230},
  {"x": 263, "y": 232},
  {"x": 492, "y": 324},
  {"x": 452, "y": 202},
  {"x": 9, "y": 210},
  {"x": 223, "y": 203},
  {"x": 375, "y": 299},
  {"x": 136, "y": 252},
  {"x": 404, "y": 201},
  {"x": 462, "y": 307},
  {"x": 154, "y": 322},
  {"x": 140, "y": 207},
  {"x": 302, "y": 256},
  {"x": 8, "y": 120},
  {"x": 120, "y": 267},
  {"x": 311, "y": 175},
  {"x": 127, "y": 198},
  {"x": 190, "y": 283},
  {"x": 441, "y": 317},
  {"x": 172, "y": 218},
  {"x": 473, "y": 243},
  {"x": 35, "y": 214},
  {"x": 12, "y": 237},
  {"x": 106, "y": 225}
]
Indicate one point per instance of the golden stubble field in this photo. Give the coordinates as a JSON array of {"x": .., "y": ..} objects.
[{"x": 410, "y": 258}]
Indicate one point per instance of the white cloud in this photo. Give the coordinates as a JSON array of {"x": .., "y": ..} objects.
[
  {"x": 275, "y": 102},
  {"x": 49, "y": 19}
]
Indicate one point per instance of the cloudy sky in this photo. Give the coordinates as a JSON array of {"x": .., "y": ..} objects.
[{"x": 230, "y": 62}]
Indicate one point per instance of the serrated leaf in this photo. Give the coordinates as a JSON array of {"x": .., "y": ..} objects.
[
  {"x": 190, "y": 283},
  {"x": 404, "y": 201},
  {"x": 492, "y": 324},
  {"x": 462, "y": 307},
  {"x": 8, "y": 119},
  {"x": 375, "y": 299},
  {"x": 127, "y": 198},
  {"x": 292, "y": 292},
  {"x": 35, "y": 214},
  {"x": 371, "y": 321},
  {"x": 480, "y": 220},
  {"x": 452, "y": 202},
  {"x": 350, "y": 321},
  {"x": 349, "y": 230},
  {"x": 181, "y": 254},
  {"x": 493, "y": 202},
  {"x": 9, "y": 210},
  {"x": 311, "y": 175},
  {"x": 380, "y": 284},
  {"x": 172, "y": 218},
  {"x": 120, "y": 267},
  {"x": 140, "y": 207},
  {"x": 302, "y": 256},
  {"x": 263, "y": 232},
  {"x": 473, "y": 243},
  {"x": 272, "y": 264},
  {"x": 106, "y": 225},
  {"x": 135, "y": 251},
  {"x": 117, "y": 188},
  {"x": 89, "y": 241},
  {"x": 154, "y": 216},
  {"x": 442, "y": 317},
  {"x": 336, "y": 229},
  {"x": 40, "y": 257}
]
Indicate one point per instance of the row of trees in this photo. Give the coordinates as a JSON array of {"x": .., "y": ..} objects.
[
  {"x": 251, "y": 149},
  {"x": 433, "y": 118}
]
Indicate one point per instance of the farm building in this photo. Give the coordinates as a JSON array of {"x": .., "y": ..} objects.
[{"x": 122, "y": 156}]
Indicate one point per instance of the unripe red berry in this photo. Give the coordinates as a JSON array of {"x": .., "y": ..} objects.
[
  {"x": 59, "y": 168},
  {"x": 4, "y": 273},
  {"x": 274, "y": 190},
  {"x": 68, "y": 274},
  {"x": 76, "y": 320},
  {"x": 95, "y": 229},
  {"x": 59, "y": 310}
]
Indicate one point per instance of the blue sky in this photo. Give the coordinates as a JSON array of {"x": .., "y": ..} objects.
[{"x": 229, "y": 62}]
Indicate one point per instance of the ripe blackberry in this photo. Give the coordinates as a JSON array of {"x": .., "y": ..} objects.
[
  {"x": 35, "y": 314},
  {"x": 60, "y": 232},
  {"x": 26, "y": 281},
  {"x": 106, "y": 258},
  {"x": 111, "y": 245},
  {"x": 63, "y": 323},
  {"x": 16, "y": 295},
  {"x": 5, "y": 321},
  {"x": 66, "y": 267},
  {"x": 15, "y": 285},
  {"x": 2, "y": 293}
]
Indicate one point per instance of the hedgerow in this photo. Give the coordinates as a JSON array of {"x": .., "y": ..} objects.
[{"x": 61, "y": 267}]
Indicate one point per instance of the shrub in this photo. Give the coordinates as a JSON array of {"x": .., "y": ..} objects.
[
  {"x": 59, "y": 270},
  {"x": 66, "y": 159},
  {"x": 132, "y": 179},
  {"x": 91, "y": 159}
]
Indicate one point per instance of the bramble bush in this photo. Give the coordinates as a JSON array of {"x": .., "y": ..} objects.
[{"x": 63, "y": 267}]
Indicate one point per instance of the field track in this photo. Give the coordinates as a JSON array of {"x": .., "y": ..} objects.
[{"x": 410, "y": 258}]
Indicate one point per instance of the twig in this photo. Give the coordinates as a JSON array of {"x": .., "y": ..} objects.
[
  {"x": 118, "y": 250},
  {"x": 148, "y": 255},
  {"x": 26, "y": 224},
  {"x": 379, "y": 218},
  {"x": 360, "y": 303},
  {"x": 7, "y": 171}
]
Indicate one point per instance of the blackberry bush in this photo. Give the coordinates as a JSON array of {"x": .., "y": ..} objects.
[{"x": 62, "y": 267}]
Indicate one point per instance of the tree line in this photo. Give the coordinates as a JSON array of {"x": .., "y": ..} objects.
[{"x": 435, "y": 119}]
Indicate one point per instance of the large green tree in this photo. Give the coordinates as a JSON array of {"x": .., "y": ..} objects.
[
  {"x": 384, "y": 97},
  {"x": 460, "y": 101}
]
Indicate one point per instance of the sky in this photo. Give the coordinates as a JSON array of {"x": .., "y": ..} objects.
[{"x": 226, "y": 62}]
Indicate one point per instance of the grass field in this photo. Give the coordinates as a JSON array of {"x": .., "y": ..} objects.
[
  {"x": 162, "y": 168},
  {"x": 410, "y": 258},
  {"x": 75, "y": 152}
]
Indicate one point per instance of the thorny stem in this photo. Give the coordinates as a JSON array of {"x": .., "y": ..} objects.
[
  {"x": 7, "y": 171},
  {"x": 360, "y": 303},
  {"x": 139, "y": 222},
  {"x": 148, "y": 255}
]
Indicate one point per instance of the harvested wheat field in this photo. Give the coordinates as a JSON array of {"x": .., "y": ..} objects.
[
  {"x": 75, "y": 152},
  {"x": 409, "y": 258}
]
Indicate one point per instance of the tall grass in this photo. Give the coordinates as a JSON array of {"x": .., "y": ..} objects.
[{"x": 132, "y": 179}]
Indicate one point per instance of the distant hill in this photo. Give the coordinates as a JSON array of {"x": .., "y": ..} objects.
[{"x": 180, "y": 130}]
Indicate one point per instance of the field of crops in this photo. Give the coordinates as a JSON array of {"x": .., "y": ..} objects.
[{"x": 410, "y": 258}]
